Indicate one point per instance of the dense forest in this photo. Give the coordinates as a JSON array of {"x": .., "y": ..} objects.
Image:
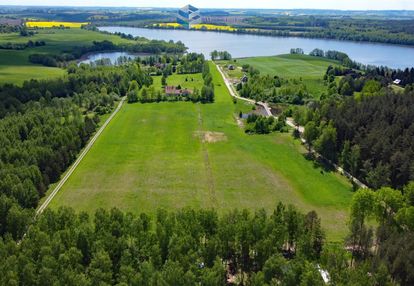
[
  {"x": 43, "y": 126},
  {"x": 390, "y": 245},
  {"x": 371, "y": 137},
  {"x": 190, "y": 247},
  {"x": 182, "y": 248},
  {"x": 359, "y": 29}
]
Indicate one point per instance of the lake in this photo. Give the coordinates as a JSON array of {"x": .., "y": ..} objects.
[
  {"x": 241, "y": 45},
  {"x": 112, "y": 56}
]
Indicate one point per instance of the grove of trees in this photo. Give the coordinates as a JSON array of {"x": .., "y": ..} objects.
[
  {"x": 220, "y": 55},
  {"x": 371, "y": 137},
  {"x": 390, "y": 247},
  {"x": 186, "y": 247}
]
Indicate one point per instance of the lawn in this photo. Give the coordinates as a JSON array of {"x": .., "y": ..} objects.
[
  {"x": 173, "y": 155},
  {"x": 301, "y": 67},
  {"x": 15, "y": 66},
  {"x": 188, "y": 81}
]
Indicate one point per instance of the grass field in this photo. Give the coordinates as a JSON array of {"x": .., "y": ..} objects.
[
  {"x": 301, "y": 67},
  {"x": 159, "y": 156},
  {"x": 52, "y": 24},
  {"x": 15, "y": 66}
]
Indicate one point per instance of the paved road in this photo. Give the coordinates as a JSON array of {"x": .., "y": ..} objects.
[
  {"x": 78, "y": 160},
  {"x": 290, "y": 122}
]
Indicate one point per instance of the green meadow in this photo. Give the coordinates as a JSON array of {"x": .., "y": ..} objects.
[
  {"x": 15, "y": 66},
  {"x": 310, "y": 70},
  {"x": 174, "y": 155}
]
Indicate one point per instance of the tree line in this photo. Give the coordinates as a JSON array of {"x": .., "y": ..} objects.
[
  {"x": 391, "y": 31},
  {"x": 21, "y": 46},
  {"x": 220, "y": 55},
  {"x": 186, "y": 247},
  {"x": 167, "y": 65},
  {"x": 6, "y": 28},
  {"x": 143, "y": 46},
  {"x": 239, "y": 247}
]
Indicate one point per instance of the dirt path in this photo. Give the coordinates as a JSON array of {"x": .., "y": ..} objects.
[
  {"x": 291, "y": 123},
  {"x": 207, "y": 164},
  {"x": 233, "y": 93},
  {"x": 45, "y": 204}
]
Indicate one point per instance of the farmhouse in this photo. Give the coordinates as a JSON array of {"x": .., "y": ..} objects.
[{"x": 244, "y": 78}]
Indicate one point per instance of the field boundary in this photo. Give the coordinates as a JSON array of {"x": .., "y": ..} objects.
[{"x": 72, "y": 168}]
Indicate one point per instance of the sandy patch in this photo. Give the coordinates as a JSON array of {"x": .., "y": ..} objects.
[
  {"x": 210, "y": 137},
  {"x": 239, "y": 121}
]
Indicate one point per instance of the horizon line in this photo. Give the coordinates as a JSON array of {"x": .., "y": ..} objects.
[{"x": 213, "y": 8}]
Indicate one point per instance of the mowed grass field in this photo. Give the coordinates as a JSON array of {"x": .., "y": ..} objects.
[
  {"x": 301, "y": 67},
  {"x": 158, "y": 156},
  {"x": 15, "y": 66}
]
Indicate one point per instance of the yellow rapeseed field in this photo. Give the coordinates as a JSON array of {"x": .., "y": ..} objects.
[
  {"x": 168, "y": 25},
  {"x": 32, "y": 24},
  {"x": 212, "y": 27}
]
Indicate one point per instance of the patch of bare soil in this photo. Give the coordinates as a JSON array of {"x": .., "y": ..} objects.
[
  {"x": 210, "y": 137},
  {"x": 239, "y": 121}
]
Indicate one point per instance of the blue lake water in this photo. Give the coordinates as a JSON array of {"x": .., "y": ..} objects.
[
  {"x": 112, "y": 56},
  {"x": 241, "y": 45}
]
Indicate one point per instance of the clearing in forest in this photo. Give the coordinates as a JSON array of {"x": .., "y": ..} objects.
[{"x": 178, "y": 154}]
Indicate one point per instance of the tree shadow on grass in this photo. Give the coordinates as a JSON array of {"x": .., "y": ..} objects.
[{"x": 319, "y": 162}]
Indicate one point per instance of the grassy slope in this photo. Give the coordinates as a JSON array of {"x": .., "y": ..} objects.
[
  {"x": 310, "y": 69},
  {"x": 150, "y": 157},
  {"x": 15, "y": 66}
]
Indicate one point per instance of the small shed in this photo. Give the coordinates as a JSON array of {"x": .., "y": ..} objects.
[
  {"x": 173, "y": 90},
  {"x": 397, "y": 81}
]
